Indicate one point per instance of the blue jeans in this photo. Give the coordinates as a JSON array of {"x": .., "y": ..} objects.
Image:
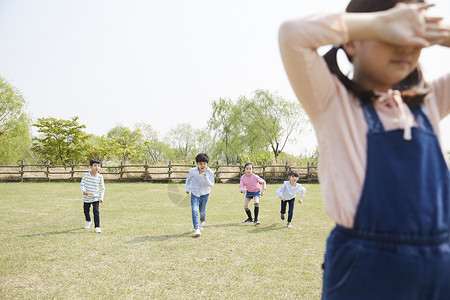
[
  {"x": 291, "y": 208},
  {"x": 198, "y": 203}
]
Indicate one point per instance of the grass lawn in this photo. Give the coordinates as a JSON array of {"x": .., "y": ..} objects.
[{"x": 146, "y": 249}]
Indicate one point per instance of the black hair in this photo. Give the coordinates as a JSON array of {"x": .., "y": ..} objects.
[
  {"x": 293, "y": 173},
  {"x": 202, "y": 157},
  {"x": 413, "y": 88},
  {"x": 248, "y": 164},
  {"x": 95, "y": 161}
]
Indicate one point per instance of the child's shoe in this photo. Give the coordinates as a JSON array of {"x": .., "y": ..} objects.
[
  {"x": 289, "y": 225},
  {"x": 202, "y": 224},
  {"x": 257, "y": 222},
  {"x": 282, "y": 217},
  {"x": 98, "y": 229},
  {"x": 197, "y": 233},
  {"x": 248, "y": 221},
  {"x": 87, "y": 225}
]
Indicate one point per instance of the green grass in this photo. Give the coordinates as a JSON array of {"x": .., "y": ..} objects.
[{"x": 146, "y": 249}]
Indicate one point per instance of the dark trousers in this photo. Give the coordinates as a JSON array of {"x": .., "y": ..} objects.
[
  {"x": 95, "y": 210},
  {"x": 291, "y": 208}
]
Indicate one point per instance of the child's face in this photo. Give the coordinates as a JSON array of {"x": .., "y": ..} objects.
[
  {"x": 95, "y": 168},
  {"x": 379, "y": 65},
  {"x": 248, "y": 170},
  {"x": 201, "y": 165},
  {"x": 293, "y": 179}
]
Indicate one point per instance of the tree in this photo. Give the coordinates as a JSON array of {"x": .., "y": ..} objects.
[
  {"x": 226, "y": 122},
  {"x": 183, "y": 138},
  {"x": 15, "y": 133},
  {"x": 61, "y": 141},
  {"x": 154, "y": 149},
  {"x": 275, "y": 119},
  {"x": 124, "y": 144}
]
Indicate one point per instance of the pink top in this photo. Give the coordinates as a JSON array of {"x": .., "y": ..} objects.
[
  {"x": 336, "y": 114},
  {"x": 251, "y": 183}
]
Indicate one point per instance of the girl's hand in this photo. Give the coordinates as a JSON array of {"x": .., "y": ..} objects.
[
  {"x": 283, "y": 198},
  {"x": 86, "y": 193},
  {"x": 408, "y": 25}
]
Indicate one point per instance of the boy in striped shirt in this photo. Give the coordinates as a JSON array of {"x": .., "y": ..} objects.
[{"x": 93, "y": 187}]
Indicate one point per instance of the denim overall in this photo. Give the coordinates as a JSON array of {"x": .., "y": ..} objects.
[{"x": 399, "y": 246}]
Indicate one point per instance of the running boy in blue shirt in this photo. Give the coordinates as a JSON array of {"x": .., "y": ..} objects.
[{"x": 199, "y": 182}]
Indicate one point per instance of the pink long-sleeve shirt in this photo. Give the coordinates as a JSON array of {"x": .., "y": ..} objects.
[
  {"x": 336, "y": 114},
  {"x": 252, "y": 183}
]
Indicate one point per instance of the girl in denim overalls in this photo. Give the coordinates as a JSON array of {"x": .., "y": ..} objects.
[{"x": 383, "y": 173}]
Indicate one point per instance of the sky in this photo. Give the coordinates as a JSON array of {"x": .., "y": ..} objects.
[{"x": 159, "y": 62}]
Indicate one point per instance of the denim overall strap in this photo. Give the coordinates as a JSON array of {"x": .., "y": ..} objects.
[
  {"x": 407, "y": 186},
  {"x": 372, "y": 119}
]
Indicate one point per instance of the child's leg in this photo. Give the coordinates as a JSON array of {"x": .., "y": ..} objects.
[
  {"x": 194, "y": 209},
  {"x": 291, "y": 210},
  {"x": 87, "y": 207},
  {"x": 283, "y": 209},
  {"x": 202, "y": 207},
  {"x": 247, "y": 210},
  {"x": 96, "y": 211},
  {"x": 256, "y": 209}
]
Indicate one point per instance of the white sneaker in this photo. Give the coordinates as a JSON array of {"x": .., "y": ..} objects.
[
  {"x": 98, "y": 229},
  {"x": 87, "y": 225},
  {"x": 197, "y": 233},
  {"x": 289, "y": 225},
  {"x": 202, "y": 224}
]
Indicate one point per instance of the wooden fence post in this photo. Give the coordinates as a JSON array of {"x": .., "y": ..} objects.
[
  {"x": 287, "y": 170},
  {"x": 21, "y": 171},
  {"x": 308, "y": 174},
  {"x": 71, "y": 171},
  {"x": 146, "y": 170},
  {"x": 216, "y": 176},
  {"x": 264, "y": 170},
  {"x": 48, "y": 170},
  {"x": 121, "y": 171},
  {"x": 169, "y": 173}
]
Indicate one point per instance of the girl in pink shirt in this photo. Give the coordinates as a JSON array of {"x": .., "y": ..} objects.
[
  {"x": 251, "y": 182},
  {"x": 382, "y": 170}
]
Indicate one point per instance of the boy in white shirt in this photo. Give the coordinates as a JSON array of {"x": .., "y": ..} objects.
[
  {"x": 287, "y": 193},
  {"x": 199, "y": 182}
]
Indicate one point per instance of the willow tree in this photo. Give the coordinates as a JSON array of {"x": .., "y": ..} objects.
[{"x": 15, "y": 133}]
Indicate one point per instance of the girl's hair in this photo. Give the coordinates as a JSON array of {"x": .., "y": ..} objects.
[
  {"x": 248, "y": 164},
  {"x": 413, "y": 88}
]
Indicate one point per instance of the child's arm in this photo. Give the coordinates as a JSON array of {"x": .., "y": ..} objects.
[
  {"x": 307, "y": 71},
  {"x": 263, "y": 183},
  {"x": 302, "y": 194},
  {"x": 242, "y": 185},
  {"x": 209, "y": 177},
  {"x": 83, "y": 189},
  {"x": 101, "y": 188},
  {"x": 280, "y": 191},
  {"x": 187, "y": 187},
  {"x": 403, "y": 25}
]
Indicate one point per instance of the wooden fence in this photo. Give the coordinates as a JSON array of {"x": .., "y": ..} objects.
[{"x": 150, "y": 173}]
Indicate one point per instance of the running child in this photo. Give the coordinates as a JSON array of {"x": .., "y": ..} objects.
[
  {"x": 251, "y": 181},
  {"x": 287, "y": 193},
  {"x": 93, "y": 188},
  {"x": 199, "y": 182},
  {"x": 382, "y": 170}
]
